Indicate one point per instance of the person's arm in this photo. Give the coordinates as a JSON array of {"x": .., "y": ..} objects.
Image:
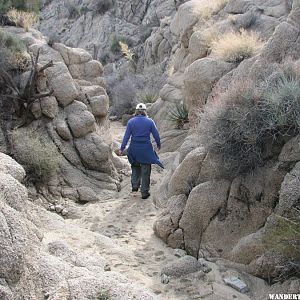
[
  {"x": 155, "y": 134},
  {"x": 126, "y": 137}
]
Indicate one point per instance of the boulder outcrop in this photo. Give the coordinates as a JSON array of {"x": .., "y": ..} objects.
[
  {"x": 69, "y": 121},
  {"x": 229, "y": 216}
]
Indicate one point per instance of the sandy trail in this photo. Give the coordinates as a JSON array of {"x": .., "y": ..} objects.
[{"x": 137, "y": 252}]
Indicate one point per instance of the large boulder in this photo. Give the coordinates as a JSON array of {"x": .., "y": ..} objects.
[
  {"x": 79, "y": 119},
  {"x": 72, "y": 56},
  {"x": 199, "y": 78},
  {"x": 186, "y": 174},
  {"x": 94, "y": 152},
  {"x": 203, "y": 205},
  {"x": 11, "y": 167},
  {"x": 62, "y": 84}
]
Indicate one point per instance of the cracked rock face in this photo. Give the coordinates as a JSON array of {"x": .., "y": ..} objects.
[
  {"x": 204, "y": 207},
  {"x": 71, "y": 117},
  {"x": 35, "y": 263}
]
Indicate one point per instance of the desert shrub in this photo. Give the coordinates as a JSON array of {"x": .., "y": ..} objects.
[
  {"x": 283, "y": 237},
  {"x": 148, "y": 96},
  {"x": 102, "y": 6},
  {"x": 104, "y": 58},
  {"x": 73, "y": 11},
  {"x": 25, "y": 5},
  {"x": 104, "y": 295},
  {"x": 211, "y": 7},
  {"x": 22, "y": 18},
  {"x": 12, "y": 51},
  {"x": 5, "y": 6},
  {"x": 179, "y": 115},
  {"x": 236, "y": 46},
  {"x": 124, "y": 94},
  {"x": 115, "y": 46},
  {"x": 247, "y": 125},
  {"x": 38, "y": 156}
]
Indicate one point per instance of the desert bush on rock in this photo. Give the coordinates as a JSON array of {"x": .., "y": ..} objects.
[
  {"x": 248, "y": 124},
  {"x": 74, "y": 11},
  {"x": 237, "y": 46},
  {"x": 115, "y": 46},
  {"x": 25, "y": 5},
  {"x": 22, "y": 18},
  {"x": 104, "y": 295},
  {"x": 102, "y": 6},
  {"x": 12, "y": 52},
  {"x": 179, "y": 115},
  {"x": 282, "y": 236},
  {"x": 38, "y": 156},
  {"x": 211, "y": 7}
]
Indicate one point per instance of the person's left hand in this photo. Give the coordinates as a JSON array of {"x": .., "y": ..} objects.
[{"x": 120, "y": 152}]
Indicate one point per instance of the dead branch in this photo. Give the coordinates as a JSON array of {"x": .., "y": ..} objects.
[{"x": 25, "y": 98}]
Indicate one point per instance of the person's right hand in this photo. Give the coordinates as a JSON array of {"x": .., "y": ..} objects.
[
  {"x": 120, "y": 152},
  {"x": 158, "y": 148}
]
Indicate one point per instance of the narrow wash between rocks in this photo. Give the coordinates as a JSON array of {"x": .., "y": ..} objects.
[{"x": 129, "y": 245}]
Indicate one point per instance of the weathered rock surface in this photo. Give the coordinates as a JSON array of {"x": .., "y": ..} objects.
[
  {"x": 36, "y": 264},
  {"x": 75, "y": 113},
  {"x": 229, "y": 217}
]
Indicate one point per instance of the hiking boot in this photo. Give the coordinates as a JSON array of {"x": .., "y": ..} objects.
[
  {"x": 146, "y": 196},
  {"x": 135, "y": 189}
]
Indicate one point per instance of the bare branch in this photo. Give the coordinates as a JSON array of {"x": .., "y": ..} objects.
[
  {"x": 42, "y": 95},
  {"x": 46, "y": 66}
]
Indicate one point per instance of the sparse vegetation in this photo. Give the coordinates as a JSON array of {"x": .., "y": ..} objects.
[
  {"x": 237, "y": 46},
  {"x": 179, "y": 115},
  {"x": 22, "y": 18},
  {"x": 24, "y": 5},
  {"x": 102, "y": 6},
  {"x": 248, "y": 124},
  {"x": 74, "y": 11},
  {"x": 283, "y": 237},
  {"x": 211, "y": 7},
  {"x": 104, "y": 295},
  {"x": 39, "y": 156},
  {"x": 12, "y": 52},
  {"x": 128, "y": 54},
  {"x": 115, "y": 44},
  {"x": 148, "y": 96}
]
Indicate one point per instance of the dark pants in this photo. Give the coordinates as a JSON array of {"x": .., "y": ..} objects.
[{"x": 141, "y": 177}]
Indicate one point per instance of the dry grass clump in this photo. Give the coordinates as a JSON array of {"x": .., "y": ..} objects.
[
  {"x": 236, "y": 46},
  {"x": 248, "y": 125},
  {"x": 12, "y": 52},
  {"x": 282, "y": 236},
  {"x": 22, "y": 18},
  {"x": 38, "y": 156},
  {"x": 212, "y": 7}
]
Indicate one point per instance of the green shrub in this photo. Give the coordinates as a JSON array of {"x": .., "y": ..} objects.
[
  {"x": 102, "y": 6},
  {"x": 104, "y": 295},
  {"x": 12, "y": 51},
  {"x": 38, "y": 156},
  {"x": 282, "y": 235},
  {"x": 74, "y": 11},
  {"x": 179, "y": 115},
  {"x": 148, "y": 96},
  {"x": 5, "y": 6},
  {"x": 25, "y": 5},
  {"x": 247, "y": 126},
  {"x": 104, "y": 58}
]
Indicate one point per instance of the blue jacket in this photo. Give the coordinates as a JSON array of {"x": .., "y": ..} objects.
[{"x": 141, "y": 150}]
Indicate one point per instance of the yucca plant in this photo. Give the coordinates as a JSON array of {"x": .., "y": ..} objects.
[{"x": 179, "y": 115}]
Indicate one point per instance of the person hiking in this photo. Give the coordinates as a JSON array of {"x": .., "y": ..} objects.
[{"x": 140, "y": 151}]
